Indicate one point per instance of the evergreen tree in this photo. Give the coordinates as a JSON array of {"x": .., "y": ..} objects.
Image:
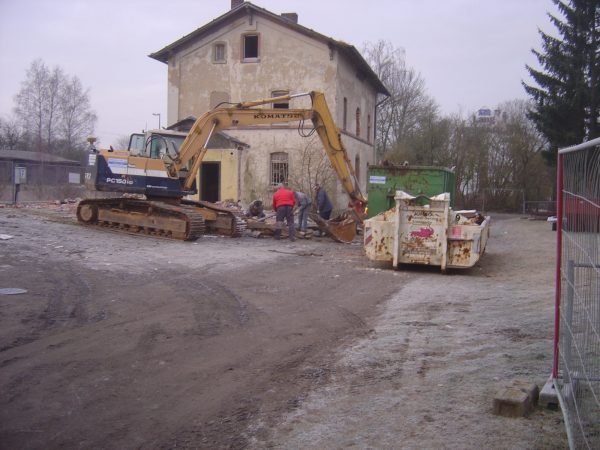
[{"x": 566, "y": 97}]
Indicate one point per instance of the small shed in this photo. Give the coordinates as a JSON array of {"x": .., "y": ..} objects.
[
  {"x": 37, "y": 176},
  {"x": 219, "y": 176}
]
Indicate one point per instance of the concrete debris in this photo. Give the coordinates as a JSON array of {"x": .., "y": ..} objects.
[{"x": 516, "y": 399}]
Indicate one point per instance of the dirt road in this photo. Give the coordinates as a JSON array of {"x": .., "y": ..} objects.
[{"x": 132, "y": 342}]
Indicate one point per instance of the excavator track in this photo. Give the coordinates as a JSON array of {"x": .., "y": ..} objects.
[
  {"x": 239, "y": 226},
  {"x": 180, "y": 222},
  {"x": 221, "y": 220}
]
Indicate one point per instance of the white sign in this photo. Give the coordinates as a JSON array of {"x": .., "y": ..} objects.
[
  {"x": 20, "y": 175},
  {"x": 377, "y": 179},
  {"x": 74, "y": 178},
  {"x": 118, "y": 166}
]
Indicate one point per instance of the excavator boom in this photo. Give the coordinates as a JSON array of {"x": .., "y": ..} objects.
[{"x": 247, "y": 114}]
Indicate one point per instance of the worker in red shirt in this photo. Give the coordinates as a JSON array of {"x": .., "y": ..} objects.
[{"x": 283, "y": 204}]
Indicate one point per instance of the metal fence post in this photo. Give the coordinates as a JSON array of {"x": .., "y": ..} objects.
[
  {"x": 559, "y": 215},
  {"x": 568, "y": 319}
]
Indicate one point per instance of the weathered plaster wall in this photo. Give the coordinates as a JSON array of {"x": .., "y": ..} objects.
[
  {"x": 287, "y": 61},
  {"x": 360, "y": 94},
  {"x": 255, "y": 164}
]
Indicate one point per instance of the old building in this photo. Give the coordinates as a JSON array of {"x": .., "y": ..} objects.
[{"x": 250, "y": 53}]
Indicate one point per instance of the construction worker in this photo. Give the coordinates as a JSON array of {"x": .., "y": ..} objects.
[
  {"x": 324, "y": 205},
  {"x": 303, "y": 204},
  {"x": 256, "y": 209},
  {"x": 283, "y": 204}
]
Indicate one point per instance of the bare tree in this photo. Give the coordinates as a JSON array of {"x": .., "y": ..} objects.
[
  {"x": 11, "y": 134},
  {"x": 31, "y": 104},
  {"x": 122, "y": 142},
  {"x": 77, "y": 118},
  {"x": 53, "y": 110},
  {"x": 312, "y": 166},
  {"x": 500, "y": 160},
  {"x": 402, "y": 114},
  {"x": 54, "y": 80},
  {"x": 516, "y": 160}
]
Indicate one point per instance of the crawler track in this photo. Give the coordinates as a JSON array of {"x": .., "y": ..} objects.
[
  {"x": 180, "y": 222},
  {"x": 219, "y": 219}
]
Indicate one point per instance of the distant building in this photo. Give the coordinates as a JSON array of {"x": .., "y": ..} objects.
[
  {"x": 56, "y": 168},
  {"x": 250, "y": 53},
  {"x": 486, "y": 115},
  {"x": 40, "y": 176}
]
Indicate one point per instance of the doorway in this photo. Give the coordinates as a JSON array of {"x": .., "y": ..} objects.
[{"x": 210, "y": 181}]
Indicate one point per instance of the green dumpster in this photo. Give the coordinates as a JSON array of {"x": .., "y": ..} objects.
[{"x": 384, "y": 181}]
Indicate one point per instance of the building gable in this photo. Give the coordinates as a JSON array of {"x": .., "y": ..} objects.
[{"x": 249, "y": 12}]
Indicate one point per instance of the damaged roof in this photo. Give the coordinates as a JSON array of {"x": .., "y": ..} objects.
[{"x": 349, "y": 51}]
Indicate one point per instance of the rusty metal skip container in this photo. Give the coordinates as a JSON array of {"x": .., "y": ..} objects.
[{"x": 425, "y": 230}]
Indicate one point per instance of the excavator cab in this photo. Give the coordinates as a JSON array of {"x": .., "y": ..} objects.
[
  {"x": 141, "y": 169},
  {"x": 156, "y": 144}
]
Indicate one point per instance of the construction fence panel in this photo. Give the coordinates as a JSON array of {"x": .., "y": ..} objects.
[
  {"x": 22, "y": 182},
  {"x": 576, "y": 369}
]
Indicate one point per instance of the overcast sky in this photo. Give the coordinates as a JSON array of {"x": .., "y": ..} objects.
[{"x": 471, "y": 53}]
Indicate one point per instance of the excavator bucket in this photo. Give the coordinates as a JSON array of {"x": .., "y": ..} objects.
[{"x": 341, "y": 229}]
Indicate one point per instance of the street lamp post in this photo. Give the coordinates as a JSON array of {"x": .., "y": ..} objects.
[{"x": 157, "y": 114}]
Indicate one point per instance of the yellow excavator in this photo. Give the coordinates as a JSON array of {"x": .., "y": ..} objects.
[{"x": 164, "y": 178}]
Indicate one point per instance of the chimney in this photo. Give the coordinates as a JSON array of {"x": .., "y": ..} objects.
[
  {"x": 236, "y": 3},
  {"x": 292, "y": 17}
]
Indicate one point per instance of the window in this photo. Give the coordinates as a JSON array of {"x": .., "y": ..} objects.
[
  {"x": 357, "y": 167},
  {"x": 283, "y": 104},
  {"x": 279, "y": 168},
  {"x": 136, "y": 144},
  {"x": 345, "y": 113},
  {"x": 219, "y": 55},
  {"x": 158, "y": 147},
  {"x": 369, "y": 128},
  {"x": 250, "y": 47},
  {"x": 357, "y": 122}
]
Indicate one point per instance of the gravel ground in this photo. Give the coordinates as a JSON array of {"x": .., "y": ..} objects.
[{"x": 133, "y": 342}]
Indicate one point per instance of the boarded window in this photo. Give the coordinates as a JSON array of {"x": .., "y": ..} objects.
[
  {"x": 219, "y": 55},
  {"x": 281, "y": 104},
  {"x": 279, "y": 168},
  {"x": 357, "y": 167},
  {"x": 357, "y": 121},
  {"x": 369, "y": 128},
  {"x": 250, "y": 47}
]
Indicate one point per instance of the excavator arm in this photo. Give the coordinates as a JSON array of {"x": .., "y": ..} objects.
[{"x": 246, "y": 114}]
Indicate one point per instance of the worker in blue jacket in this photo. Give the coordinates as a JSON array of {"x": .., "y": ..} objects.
[
  {"x": 303, "y": 204},
  {"x": 324, "y": 205}
]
